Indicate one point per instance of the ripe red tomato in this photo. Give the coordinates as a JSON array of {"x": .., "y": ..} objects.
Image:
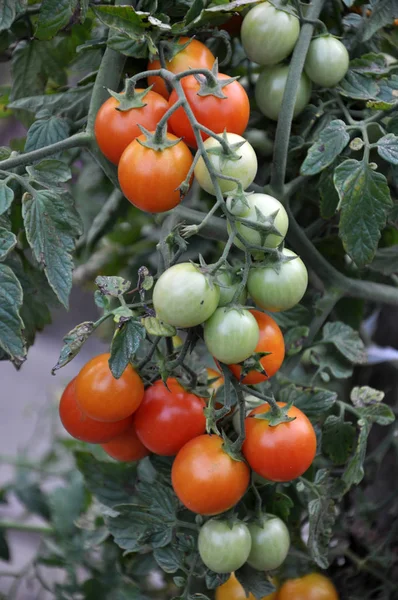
[
  {"x": 310, "y": 587},
  {"x": 115, "y": 130},
  {"x": 218, "y": 114},
  {"x": 279, "y": 453},
  {"x": 168, "y": 418},
  {"x": 126, "y": 447},
  {"x": 82, "y": 427},
  {"x": 195, "y": 56},
  {"x": 104, "y": 398},
  {"x": 149, "y": 178},
  {"x": 206, "y": 479},
  {"x": 271, "y": 340}
]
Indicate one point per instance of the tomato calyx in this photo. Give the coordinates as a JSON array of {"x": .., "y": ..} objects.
[
  {"x": 267, "y": 223},
  {"x": 275, "y": 416},
  {"x": 237, "y": 203},
  {"x": 129, "y": 98},
  {"x": 253, "y": 363},
  {"x": 225, "y": 150},
  {"x": 158, "y": 140},
  {"x": 274, "y": 259},
  {"x": 231, "y": 449},
  {"x": 170, "y": 48},
  {"x": 211, "y": 85}
]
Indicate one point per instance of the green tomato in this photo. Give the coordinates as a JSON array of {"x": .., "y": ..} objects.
[
  {"x": 270, "y": 87},
  {"x": 229, "y": 283},
  {"x": 243, "y": 168},
  {"x": 327, "y": 61},
  {"x": 268, "y": 34},
  {"x": 231, "y": 335},
  {"x": 224, "y": 547},
  {"x": 275, "y": 291},
  {"x": 267, "y": 206},
  {"x": 183, "y": 296},
  {"x": 270, "y": 544}
]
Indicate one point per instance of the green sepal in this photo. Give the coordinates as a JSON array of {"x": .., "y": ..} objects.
[
  {"x": 129, "y": 98},
  {"x": 212, "y": 86},
  {"x": 275, "y": 416},
  {"x": 157, "y": 141}
]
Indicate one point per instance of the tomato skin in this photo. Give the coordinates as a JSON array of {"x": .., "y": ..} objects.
[
  {"x": 149, "y": 178},
  {"x": 270, "y": 544},
  {"x": 206, "y": 479},
  {"x": 231, "y": 335},
  {"x": 115, "y": 130},
  {"x": 104, "y": 398},
  {"x": 278, "y": 291},
  {"x": 268, "y": 34},
  {"x": 270, "y": 87},
  {"x": 229, "y": 114},
  {"x": 279, "y": 453},
  {"x": 182, "y": 296},
  {"x": 82, "y": 427},
  {"x": 327, "y": 61},
  {"x": 310, "y": 587},
  {"x": 271, "y": 340},
  {"x": 224, "y": 547},
  {"x": 233, "y": 590},
  {"x": 244, "y": 169},
  {"x": 267, "y": 205},
  {"x": 126, "y": 447},
  {"x": 215, "y": 380},
  {"x": 195, "y": 56},
  {"x": 228, "y": 286},
  {"x": 167, "y": 419}
]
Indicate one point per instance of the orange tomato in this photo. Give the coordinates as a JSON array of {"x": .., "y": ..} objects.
[
  {"x": 126, "y": 447},
  {"x": 233, "y": 590},
  {"x": 310, "y": 587}
]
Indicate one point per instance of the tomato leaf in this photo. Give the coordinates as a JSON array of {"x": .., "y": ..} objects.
[
  {"x": 8, "y": 241},
  {"x": 358, "y": 86},
  {"x": 383, "y": 13},
  {"x": 312, "y": 401},
  {"x": 331, "y": 142},
  {"x": 214, "y": 580},
  {"x": 169, "y": 559},
  {"x": 130, "y": 47},
  {"x": 73, "y": 342},
  {"x": 155, "y": 326},
  {"x": 346, "y": 340},
  {"x": 370, "y": 64},
  {"x": 123, "y": 19},
  {"x": 66, "y": 504},
  {"x": 56, "y": 14},
  {"x": 294, "y": 339},
  {"x": 27, "y": 69},
  {"x": 386, "y": 260},
  {"x": 377, "y": 413},
  {"x": 354, "y": 471},
  {"x": 6, "y": 197},
  {"x": 73, "y": 103},
  {"x": 292, "y": 317},
  {"x": 328, "y": 193},
  {"x": 364, "y": 202},
  {"x": 387, "y": 148},
  {"x": 254, "y": 582},
  {"x": 49, "y": 172},
  {"x": 11, "y": 325},
  {"x": 365, "y": 396},
  {"x": 322, "y": 515},
  {"x": 113, "y": 286},
  {"x": 338, "y": 439},
  {"x": 125, "y": 343},
  {"x": 45, "y": 132},
  {"x": 9, "y": 9}
]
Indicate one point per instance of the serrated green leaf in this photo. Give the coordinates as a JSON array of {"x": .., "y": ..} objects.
[
  {"x": 52, "y": 226},
  {"x": 125, "y": 343},
  {"x": 387, "y": 147},
  {"x": 321, "y": 515},
  {"x": 328, "y": 193},
  {"x": 280, "y": 505},
  {"x": 8, "y": 241},
  {"x": 294, "y": 339},
  {"x": 112, "y": 286},
  {"x": 290, "y": 318},
  {"x": 9, "y": 9},
  {"x": 378, "y": 413},
  {"x": 354, "y": 471},
  {"x": 50, "y": 172},
  {"x": 388, "y": 92},
  {"x": 28, "y": 73},
  {"x": 364, "y": 202},
  {"x": 329, "y": 360},
  {"x": 66, "y": 504},
  {"x": 137, "y": 48},
  {"x": 120, "y": 18},
  {"x": 214, "y": 580},
  {"x": 169, "y": 559},
  {"x": 11, "y": 325},
  {"x": 56, "y": 14},
  {"x": 346, "y": 340},
  {"x": 384, "y": 12},
  {"x": 6, "y": 197},
  {"x": 254, "y": 582},
  {"x": 358, "y": 87},
  {"x": 365, "y": 396},
  {"x": 370, "y": 64},
  {"x": 331, "y": 142},
  {"x": 73, "y": 343},
  {"x": 134, "y": 527},
  {"x": 45, "y": 132},
  {"x": 338, "y": 439},
  {"x": 312, "y": 401},
  {"x": 73, "y": 103}
]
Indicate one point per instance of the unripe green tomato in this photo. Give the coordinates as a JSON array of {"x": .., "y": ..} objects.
[
  {"x": 183, "y": 296},
  {"x": 244, "y": 168},
  {"x": 270, "y": 88},
  {"x": 270, "y": 544},
  {"x": 275, "y": 291},
  {"x": 267, "y": 205},
  {"x": 327, "y": 61},
  {"x": 268, "y": 34},
  {"x": 224, "y": 547},
  {"x": 228, "y": 284},
  {"x": 231, "y": 335}
]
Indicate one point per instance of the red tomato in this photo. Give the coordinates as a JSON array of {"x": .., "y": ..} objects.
[
  {"x": 206, "y": 479},
  {"x": 271, "y": 340},
  {"x": 195, "y": 56},
  {"x": 310, "y": 587},
  {"x": 82, "y": 427},
  {"x": 218, "y": 114},
  {"x": 115, "y": 130},
  {"x": 126, "y": 447},
  {"x": 279, "y": 453},
  {"x": 168, "y": 418},
  {"x": 149, "y": 178},
  {"x": 104, "y": 398}
]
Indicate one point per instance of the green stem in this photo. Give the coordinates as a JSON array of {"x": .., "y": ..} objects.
[
  {"x": 15, "y": 526},
  {"x": 215, "y": 229},
  {"x": 282, "y": 136}
]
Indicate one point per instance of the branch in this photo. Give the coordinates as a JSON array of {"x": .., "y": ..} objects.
[{"x": 282, "y": 136}]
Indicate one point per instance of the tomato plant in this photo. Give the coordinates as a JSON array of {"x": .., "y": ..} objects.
[
  {"x": 270, "y": 543},
  {"x": 169, "y": 417},
  {"x": 224, "y": 547},
  {"x": 327, "y": 61},
  {"x": 231, "y": 334},
  {"x": 282, "y": 452},
  {"x": 310, "y": 587},
  {"x": 270, "y": 88},
  {"x": 126, "y": 447},
  {"x": 206, "y": 479},
  {"x": 227, "y": 113}
]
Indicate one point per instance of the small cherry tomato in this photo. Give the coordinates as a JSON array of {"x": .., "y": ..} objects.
[
  {"x": 270, "y": 544},
  {"x": 82, "y": 427},
  {"x": 228, "y": 283},
  {"x": 126, "y": 447},
  {"x": 218, "y": 114},
  {"x": 283, "y": 452},
  {"x": 233, "y": 590},
  {"x": 231, "y": 334},
  {"x": 327, "y": 61},
  {"x": 214, "y": 380},
  {"x": 271, "y": 340},
  {"x": 195, "y": 56},
  {"x": 104, "y": 398},
  {"x": 168, "y": 418},
  {"x": 206, "y": 479},
  {"x": 270, "y": 88},
  {"x": 224, "y": 547},
  {"x": 149, "y": 178},
  {"x": 310, "y": 587},
  {"x": 115, "y": 130}
]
